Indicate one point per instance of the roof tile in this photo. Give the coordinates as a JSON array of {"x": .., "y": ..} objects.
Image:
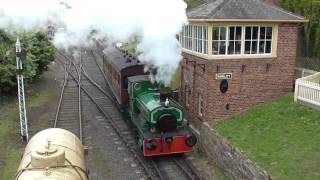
[{"x": 241, "y": 9}]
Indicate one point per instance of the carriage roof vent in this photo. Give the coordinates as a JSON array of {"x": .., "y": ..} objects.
[{"x": 128, "y": 60}]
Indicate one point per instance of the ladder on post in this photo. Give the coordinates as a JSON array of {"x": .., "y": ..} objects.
[{"x": 21, "y": 95}]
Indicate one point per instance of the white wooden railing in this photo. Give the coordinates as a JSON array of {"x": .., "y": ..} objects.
[
  {"x": 302, "y": 72},
  {"x": 307, "y": 89}
]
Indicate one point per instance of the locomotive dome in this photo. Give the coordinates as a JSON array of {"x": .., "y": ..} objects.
[{"x": 53, "y": 154}]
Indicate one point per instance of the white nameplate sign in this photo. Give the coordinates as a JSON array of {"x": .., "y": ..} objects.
[{"x": 224, "y": 76}]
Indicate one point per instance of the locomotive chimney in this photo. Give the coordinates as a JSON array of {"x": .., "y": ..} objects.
[{"x": 165, "y": 93}]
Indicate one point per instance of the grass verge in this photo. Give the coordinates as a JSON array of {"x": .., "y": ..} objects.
[
  {"x": 11, "y": 146},
  {"x": 281, "y": 136}
]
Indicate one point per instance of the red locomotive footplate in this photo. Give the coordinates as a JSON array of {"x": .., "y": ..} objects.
[{"x": 178, "y": 145}]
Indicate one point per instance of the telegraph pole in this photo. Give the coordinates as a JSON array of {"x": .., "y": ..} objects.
[{"x": 21, "y": 96}]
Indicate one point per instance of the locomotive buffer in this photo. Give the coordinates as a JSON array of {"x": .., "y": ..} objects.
[{"x": 21, "y": 55}]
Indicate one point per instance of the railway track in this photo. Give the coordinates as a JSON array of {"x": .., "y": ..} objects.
[
  {"x": 77, "y": 80},
  {"x": 106, "y": 105},
  {"x": 180, "y": 162},
  {"x": 68, "y": 114},
  {"x": 78, "y": 83},
  {"x": 187, "y": 167}
]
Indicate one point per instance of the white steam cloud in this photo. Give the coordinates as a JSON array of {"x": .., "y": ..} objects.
[{"x": 154, "y": 22}]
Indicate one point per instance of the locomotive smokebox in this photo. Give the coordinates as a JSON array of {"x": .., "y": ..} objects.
[{"x": 165, "y": 93}]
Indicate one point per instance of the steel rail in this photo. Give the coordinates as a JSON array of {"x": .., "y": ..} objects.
[
  {"x": 188, "y": 171},
  {"x": 79, "y": 98},
  {"x": 187, "y": 168},
  {"x": 111, "y": 121},
  {"x": 81, "y": 70},
  {"x": 118, "y": 131},
  {"x": 96, "y": 85},
  {"x": 154, "y": 164},
  {"x": 62, "y": 92},
  {"x": 100, "y": 68},
  {"x": 78, "y": 81},
  {"x": 194, "y": 175},
  {"x": 111, "y": 97}
]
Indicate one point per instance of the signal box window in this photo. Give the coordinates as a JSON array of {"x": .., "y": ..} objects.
[
  {"x": 195, "y": 38},
  {"x": 241, "y": 40},
  {"x": 258, "y": 40},
  {"x": 226, "y": 40},
  {"x": 219, "y": 36},
  {"x": 187, "y": 37},
  {"x": 200, "y": 39}
]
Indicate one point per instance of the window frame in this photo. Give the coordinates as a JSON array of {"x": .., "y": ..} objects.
[
  {"x": 272, "y": 43},
  {"x": 195, "y": 38},
  {"x": 187, "y": 39},
  {"x": 259, "y": 40},
  {"x": 200, "y": 39},
  {"x": 243, "y": 40},
  {"x": 219, "y": 41},
  {"x": 227, "y": 40}
]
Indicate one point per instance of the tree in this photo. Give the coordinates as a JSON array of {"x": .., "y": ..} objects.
[
  {"x": 42, "y": 49},
  {"x": 311, "y": 31},
  {"x": 40, "y": 53}
]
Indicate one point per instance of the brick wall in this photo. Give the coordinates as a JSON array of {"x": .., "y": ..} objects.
[{"x": 261, "y": 80}]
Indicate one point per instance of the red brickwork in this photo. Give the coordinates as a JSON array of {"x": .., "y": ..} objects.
[{"x": 254, "y": 81}]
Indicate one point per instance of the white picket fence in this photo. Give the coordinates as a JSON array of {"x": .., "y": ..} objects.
[
  {"x": 303, "y": 72},
  {"x": 307, "y": 89}
]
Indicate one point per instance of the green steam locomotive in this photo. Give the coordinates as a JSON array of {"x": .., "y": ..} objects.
[{"x": 155, "y": 115}]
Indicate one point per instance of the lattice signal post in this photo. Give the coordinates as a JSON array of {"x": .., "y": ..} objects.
[{"x": 21, "y": 55}]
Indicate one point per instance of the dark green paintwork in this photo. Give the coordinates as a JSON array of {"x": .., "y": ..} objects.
[{"x": 145, "y": 102}]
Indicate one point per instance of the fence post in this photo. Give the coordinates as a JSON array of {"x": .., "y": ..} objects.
[{"x": 296, "y": 91}]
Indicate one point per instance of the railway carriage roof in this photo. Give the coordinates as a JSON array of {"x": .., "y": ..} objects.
[
  {"x": 242, "y": 10},
  {"x": 115, "y": 56},
  {"x": 138, "y": 78}
]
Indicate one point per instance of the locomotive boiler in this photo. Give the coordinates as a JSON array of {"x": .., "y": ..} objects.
[{"x": 53, "y": 154}]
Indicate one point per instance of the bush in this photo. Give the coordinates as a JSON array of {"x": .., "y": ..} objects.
[
  {"x": 42, "y": 49},
  {"x": 40, "y": 53}
]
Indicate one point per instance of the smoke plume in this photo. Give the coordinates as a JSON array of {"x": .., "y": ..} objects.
[{"x": 154, "y": 22}]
